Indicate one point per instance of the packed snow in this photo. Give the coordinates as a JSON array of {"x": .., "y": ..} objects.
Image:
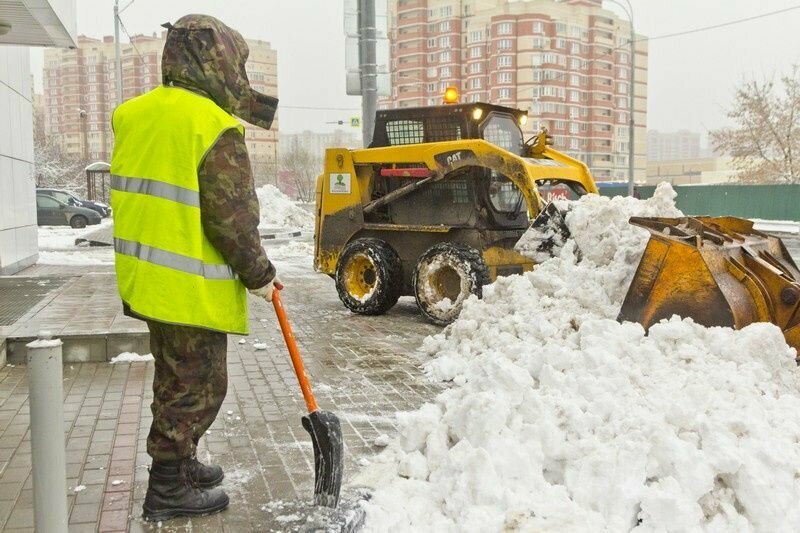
[
  {"x": 559, "y": 418},
  {"x": 131, "y": 357},
  {"x": 63, "y": 237},
  {"x": 278, "y": 210}
]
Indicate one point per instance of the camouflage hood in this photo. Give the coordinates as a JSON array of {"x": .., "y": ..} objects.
[{"x": 205, "y": 55}]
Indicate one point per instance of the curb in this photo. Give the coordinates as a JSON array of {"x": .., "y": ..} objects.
[{"x": 287, "y": 235}]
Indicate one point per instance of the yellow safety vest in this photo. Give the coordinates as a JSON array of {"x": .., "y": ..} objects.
[{"x": 167, "y": 270}]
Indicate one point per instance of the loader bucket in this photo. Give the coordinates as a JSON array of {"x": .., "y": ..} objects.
[{"x": 717, "y": 270}]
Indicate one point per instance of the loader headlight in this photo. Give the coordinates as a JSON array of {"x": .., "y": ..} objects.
[
  {"x": 523, "y": 119},
  {"x": 477, "y": 113}
]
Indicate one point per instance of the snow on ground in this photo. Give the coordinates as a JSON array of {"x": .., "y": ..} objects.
[
  {"x": 278, "y": 210},
  {"x": 77, "y": 257},
  {"x": 57, "y": 246},
  {"x": 131, "y": 357},
  {"x": 63, "y": 237},
  {"x": 293, "y": 249},
  {"x": 562, "y": 419}
]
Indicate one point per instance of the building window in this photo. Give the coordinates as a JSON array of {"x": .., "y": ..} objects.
[
  {"x": 561, "y": 43},
  {"x": 431, "y": 43},
  {"x": 504, "y": 77},
  {"x": 444, "y": 42},
  {"x": 505, "y": 44},
  {"x": 446, "y": 11},
  {"x": 576, "y": 48},
  {"x": 431, "y": 87},
  {"x": 504, "y": 93},
  {"x": 504, "y": 61},
  {"x": 475, "y": 83},
  {"x": 444, "y": 26},
  {"x": 445, "y": 72},
  {"x": 623, "y": 57},
  {"x": 475, "y": 98},
  {"x": 504, "y": 28},
  {"x": 475, "y": 68},
  {"x": 561, "y": 28},
  {"x": 574, "y": 144},
  {"x": 538, "y": 27},
  {"x": 574, "y": 80},
  {"x": 622, "y": 87},
  {"x": 475, "y": 36},
  {"x": 444, "y": 57},
  {"x": 622, "y": 72},
  {"x": 433, "y": 72},
  {"x": 574, "y": 96},
  {"x": 475, "y": 52}
]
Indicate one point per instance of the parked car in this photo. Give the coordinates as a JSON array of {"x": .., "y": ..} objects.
[
  {"x": 51, "y": 212},
  {"x": 70, "y": 198}
]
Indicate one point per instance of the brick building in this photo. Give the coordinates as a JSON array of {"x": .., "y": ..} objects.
[
  {"x": 566, "y": 62},
  {"x": 83, "y": 79}
]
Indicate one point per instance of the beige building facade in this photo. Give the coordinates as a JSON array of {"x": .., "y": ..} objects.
[
  {"x": 703, "y": 170},
  {"x": 80, "y": 94},
  {"x": 567, "y": 63}
]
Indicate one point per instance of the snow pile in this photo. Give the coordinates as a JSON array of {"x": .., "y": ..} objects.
[
  {"x": 278, "y": 210},
  {"x": 131, "y": 357},
  {"x": 562, "y": 419}
]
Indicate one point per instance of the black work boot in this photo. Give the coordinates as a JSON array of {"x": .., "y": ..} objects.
[
  {"x": 204, "y": 476},
  {"x": 170, "y": 493}
]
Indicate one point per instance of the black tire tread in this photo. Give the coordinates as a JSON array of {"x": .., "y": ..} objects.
[
  {"x": 389, "y": 273},
  {"x": 467, "y": 254}
]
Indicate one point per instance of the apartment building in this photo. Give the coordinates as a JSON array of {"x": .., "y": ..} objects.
[
  {"x": 80, "y": 93},
  {"x": 664, "y": 146},
  {"x": 566, "y": 62}
]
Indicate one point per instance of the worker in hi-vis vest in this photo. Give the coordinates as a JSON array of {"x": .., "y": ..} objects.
[{"x": 187, "y": 244}]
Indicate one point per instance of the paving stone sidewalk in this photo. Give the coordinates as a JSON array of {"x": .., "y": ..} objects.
[{"x": 363, "y": 368}]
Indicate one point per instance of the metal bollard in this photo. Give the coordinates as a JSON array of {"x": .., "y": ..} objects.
[{"x": 45, "y": 382}]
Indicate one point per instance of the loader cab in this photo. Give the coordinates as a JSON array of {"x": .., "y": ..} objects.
[
  {"x": 499, "y": 125},
  {"x": 476, "y": 197}
]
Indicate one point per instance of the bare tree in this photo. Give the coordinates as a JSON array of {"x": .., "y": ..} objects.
[
  {"x": 302, "y": 168},
  {"x": 53, "y": 168},
  {"x": 765, "y": 141}
]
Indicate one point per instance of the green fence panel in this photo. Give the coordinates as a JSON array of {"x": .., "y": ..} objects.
[{"x": 771, "y": 202}]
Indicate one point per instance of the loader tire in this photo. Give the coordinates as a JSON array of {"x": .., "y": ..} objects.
[
  {"x": 446, "y": 275},
  {"x": 369, "y": 277}
]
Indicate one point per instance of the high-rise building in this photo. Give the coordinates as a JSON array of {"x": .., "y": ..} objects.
[
  {"x": 24, "y": 24},
  {"x": 567, "y": 62},
  {"x": 664, "y": 146},
  {"x": 80, "y": 94}
]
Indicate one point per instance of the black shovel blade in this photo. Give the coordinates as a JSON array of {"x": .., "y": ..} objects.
[
  {"x": 326, "y": 436},
  {"x": 552, "y": 230}
]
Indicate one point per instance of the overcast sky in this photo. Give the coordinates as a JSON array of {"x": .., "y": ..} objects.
[{"x": 691, "y": 78}]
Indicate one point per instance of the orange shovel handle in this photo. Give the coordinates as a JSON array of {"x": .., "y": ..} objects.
[{"x": 294, "y": 353}]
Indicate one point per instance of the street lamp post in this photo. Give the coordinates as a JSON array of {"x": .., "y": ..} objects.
[{"x": 628, "y": 8}]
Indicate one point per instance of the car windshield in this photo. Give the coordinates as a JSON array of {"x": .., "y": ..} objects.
[{"x": 503, "y": 131}]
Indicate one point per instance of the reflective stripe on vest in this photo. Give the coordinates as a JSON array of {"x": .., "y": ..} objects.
[
  {"x": 167, "y": 269},
  {"x": 156, "y": 188},
  {"x": 171, "y": 260}
]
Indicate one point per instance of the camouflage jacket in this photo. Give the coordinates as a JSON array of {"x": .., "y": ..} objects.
[
  {"x": 229, "y": 210},
  {"x": 205, "y": 56}
]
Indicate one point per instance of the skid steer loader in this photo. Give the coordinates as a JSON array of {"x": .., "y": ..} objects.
[{"x": 434, "y": 207}]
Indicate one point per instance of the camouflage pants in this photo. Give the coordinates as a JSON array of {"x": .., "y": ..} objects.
[{"x": 190, "y": 382}]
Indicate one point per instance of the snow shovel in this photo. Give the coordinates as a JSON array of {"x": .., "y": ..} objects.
[{"x": 323, "y": 426}]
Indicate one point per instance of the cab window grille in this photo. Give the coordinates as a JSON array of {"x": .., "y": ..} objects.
[{"x": 405, "y": 132}]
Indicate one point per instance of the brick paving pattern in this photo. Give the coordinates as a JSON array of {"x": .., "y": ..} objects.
[{"x": 362, "y": 368}]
